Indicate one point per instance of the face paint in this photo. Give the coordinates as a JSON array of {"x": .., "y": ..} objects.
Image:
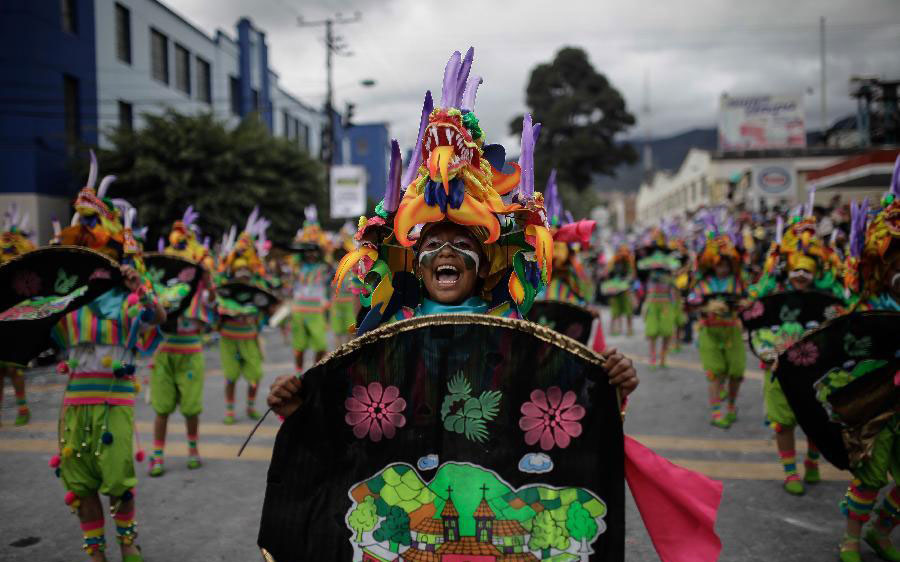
[
  {"x": 800, "y": 274},
  {"x": 469, "y": 257}
]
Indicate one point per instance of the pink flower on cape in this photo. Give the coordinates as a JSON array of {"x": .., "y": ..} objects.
[
  {"x": 375, "y": 411},
  {"x": 754, "y": 311},
  {"x": 27, "y": 283},
  {"x": 803, "y": 354},
  {"x": 551, "y": 418},
  {"x": 187, "y": 274}
]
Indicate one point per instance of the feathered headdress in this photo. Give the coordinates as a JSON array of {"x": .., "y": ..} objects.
[
  {"x": 868, "y": 263},
  {"x": 15, "y": 239},
  {"x": 183, "y": 240},
  {"x": 240, "y": 251},
  {"x": 717, "y": 242},
  {"x": 454, "y": 175}
]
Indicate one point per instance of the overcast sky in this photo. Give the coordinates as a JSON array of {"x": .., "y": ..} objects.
[{"x": 692, "y": 51}]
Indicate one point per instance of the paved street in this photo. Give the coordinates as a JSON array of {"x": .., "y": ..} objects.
[{"x": 213, "y": 513}]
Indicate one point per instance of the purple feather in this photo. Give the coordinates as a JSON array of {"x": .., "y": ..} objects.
[
  {"x": 412, "y": 170},
  {"x": 468, "y": 100},
  {"x": 551, "y": 198},
  {"x": 779, "y": 228},
  {"x": 526, "y": 160},
  {"x": 462, "y": 77},
  {"x": 206, "y": 242},
  {"x": 189, "y": 216},
  {"x": 451, "y": 76},
  {"x": 392, "y": 189},
  {"x": 858, "y": 217},
  {"x": 895, "y": 178},
  {"x": 160, "y": 244},
  {"x": 569, "y": 217}
]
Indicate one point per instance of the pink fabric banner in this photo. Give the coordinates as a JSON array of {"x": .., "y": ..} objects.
[{"x": 678, "y": 506}]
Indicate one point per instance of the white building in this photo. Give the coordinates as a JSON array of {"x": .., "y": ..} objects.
[{"x": 667, "y": 196}]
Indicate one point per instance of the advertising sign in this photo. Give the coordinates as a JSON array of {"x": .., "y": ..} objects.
[
  {"x": 348, "y": 191},
  {"x": 775, "y": 180},
  {"x": 760, "y": 122}
]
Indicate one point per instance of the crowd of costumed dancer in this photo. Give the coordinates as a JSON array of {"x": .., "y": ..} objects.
[{"x": 460, "y": 231}]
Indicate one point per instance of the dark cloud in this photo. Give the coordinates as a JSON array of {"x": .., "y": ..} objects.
[{"x": 692, "y": 50}]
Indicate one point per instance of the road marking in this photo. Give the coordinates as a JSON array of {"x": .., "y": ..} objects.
[
  {"x": 726, "y": 470},
  {"x": 237, "y": 430},
  {"x": 804, "y": 525},
  {"x": 753, "y": 374}
]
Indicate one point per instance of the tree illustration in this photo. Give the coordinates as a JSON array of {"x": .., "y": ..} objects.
[
  {"x": 363, "y": 518},
  {"x": 581, "y": 526},
  {"x": 394, "y": 529},
  {"x": 546, "y": 533}
]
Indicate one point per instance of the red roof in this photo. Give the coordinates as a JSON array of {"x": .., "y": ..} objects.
[
  {"x": 468, "y": 545},
  {"x": 449, "y": 509},
  {"x": 430, "y": 527},
  {"x": 483, "y": 511},
  {"x": 508, "y": 529},
  {"x": 873, "y": 157}
]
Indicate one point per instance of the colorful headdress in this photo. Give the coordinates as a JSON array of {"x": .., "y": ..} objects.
[
  {"x": 868, "y": 265},
  {"x": 718, "y": 243},
  {"x": 455, "y": 176},
  {"x": 243, "y": 251},
  {"x": 311, "y": 236},
  {"x": 97, "y": 223},
  {"x": 183, "y": 240},
  {"x": 15, "y": 239}
]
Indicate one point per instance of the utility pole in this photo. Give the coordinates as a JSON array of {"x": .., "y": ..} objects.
[
  {"x": 645, "y": 111},
  {"x": 823, "y": 99},
  {"x": 334, "y": 45}
]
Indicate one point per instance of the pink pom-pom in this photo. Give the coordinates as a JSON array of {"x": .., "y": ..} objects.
[
  {"x": 54, "y": 461},
  {"x": 132, "y": 299},
  {"x": 62, "y": 368},
  {"x": 139, "y": 456},
  {"x": 70, "y": 497}
]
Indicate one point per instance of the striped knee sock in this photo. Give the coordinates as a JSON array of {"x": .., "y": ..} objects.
[
  {"x": 159, "y": 446},
  {"x": 192, "y": 442},
  {"x": 859, "y": 501},
  {"x": 229, "y": 407},
  {"x": 21, "y": 403},
  {"x": 716, "y": 410},
  {"x": 789, "y": 462},
  {"x": 94, "y": 540},
  {"x": 890, "y": 509},
  {"x": 812, "y": 457},
  {"x": 125, "y": 527}
]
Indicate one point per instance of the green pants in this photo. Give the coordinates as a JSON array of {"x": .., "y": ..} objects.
[
  {"x": 722, "y": 351},
  {"x": 777, "y": 408},
  {"x": 659, "y": 319},
  {"x": 308, "y": 331},
  {"x": 343, "y": 315},
  {"x": 177, "y": 378},
  {"x": 95, "y": 467},
  {"x": 620, "y": 305},
  {"x": 241, "y": 357},
  {"x": 885, "y": 458}
]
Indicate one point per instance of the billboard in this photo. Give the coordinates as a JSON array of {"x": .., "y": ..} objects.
[
  {"x": 760, "y": 122},
  {"x": 348, "y": 192}
]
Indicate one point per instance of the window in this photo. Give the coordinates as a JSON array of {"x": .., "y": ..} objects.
[
  {"x": 72, "y": 110},
  {"x": 254, "y": 95},
  {"x": 286, "y": 117},
  {"x": 126, "y": 116},
  {"x": 159, "y": 56},
  {"x": 304, "y": 136},
  {"x": 69, "y": 16},
  {"x": 204, "y": 81},
  {"x": 182, "y": 69},
  {"x": 235, "y": 86},
  {"x": 123, "y": 33}
]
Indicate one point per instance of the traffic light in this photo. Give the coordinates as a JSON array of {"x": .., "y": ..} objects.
[{"x": 348, "y": 115}]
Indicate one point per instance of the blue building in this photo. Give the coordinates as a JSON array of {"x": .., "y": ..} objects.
[
  {"x": 85, "y": 67},
  {"x": 366, "y": 145}
]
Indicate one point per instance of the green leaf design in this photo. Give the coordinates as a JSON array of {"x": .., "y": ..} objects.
[
  {"x": 155, "y": 274},
  {"x": 476, "y": 431},
  {"x": 64, "y": 282},
  {"x": 490, "y": 403},
  {"x": 472, "y": 408},
  {"x": 459, "y": 385},
  {"x": 857, "y": 347}
]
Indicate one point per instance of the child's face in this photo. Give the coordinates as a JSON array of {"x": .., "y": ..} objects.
[
  {"x": 723, "y": 268},
  {"x": 449, "y": 262},
  {"x": 800, "y": 279}
]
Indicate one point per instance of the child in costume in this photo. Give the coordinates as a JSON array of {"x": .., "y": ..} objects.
[
  {"x": 477, "y": 253},
  {"x": 178, "y": 365},
  {"x": 661, "y": 300},
  {"x": 239, "y": 343},
  {"x": 718, "y": 287},
  {"x": 15, "y": 240},
  {"x": 620, "y": 276},
  {"x": 310, "y": 291},
  {"x": 798, "y": 261},
  {"x": 345, "y": 304},
  {"x": 874, "y": 271},
  {"x": 100, "y": 341}
]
